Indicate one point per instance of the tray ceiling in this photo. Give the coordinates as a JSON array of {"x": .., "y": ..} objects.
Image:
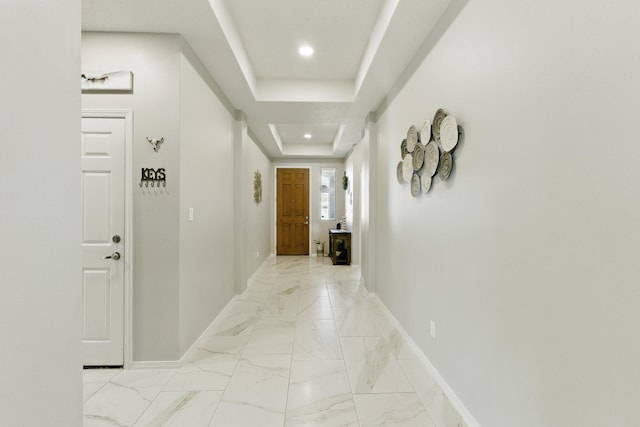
[{"x": 250, "y": 47}]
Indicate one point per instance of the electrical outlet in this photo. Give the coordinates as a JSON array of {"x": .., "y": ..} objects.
[
  {"x": 257, "y": 254},
  {"x": 432, "y": 329}
]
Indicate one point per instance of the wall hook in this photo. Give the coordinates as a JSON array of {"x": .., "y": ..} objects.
[{"x": 153, "y": 176}]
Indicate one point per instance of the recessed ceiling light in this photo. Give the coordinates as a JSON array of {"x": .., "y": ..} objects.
[
  {"x": 305, "y": 51},
  {"x": 307, "y": 136}
]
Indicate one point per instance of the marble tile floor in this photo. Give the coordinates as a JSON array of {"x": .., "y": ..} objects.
[{"x": 305, "y": 345}]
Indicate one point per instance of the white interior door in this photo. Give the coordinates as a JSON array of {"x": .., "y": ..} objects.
[{"x": 103, "y": 217}]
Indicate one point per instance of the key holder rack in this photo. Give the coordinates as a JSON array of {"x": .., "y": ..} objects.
[{"x": 153, "y": 177}]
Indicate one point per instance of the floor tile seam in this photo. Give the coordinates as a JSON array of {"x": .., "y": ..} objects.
[
  {"x": 237, "y": 358},
  {"x": 387, "y": 392},
  {"x": 393, "y": 357},
  {"x": 318, "y": 360},
  {"x": 389, "y": 321},
  {"x": 420, "y": 398},
  {"x": 213, "y": 414},
  {"x": 94, "y": 393},
  {"x": 346, "y": 371},
  {"x": 333, "y": 315},
  {"x": 95, "y": 382},
  {"x": 145, "y": 409},
  {"x": 242, "y": 354},
  {"x": 245, "y": 355},
  {"x": 269, "y": 317},
  {"x": 286, "y": 400},
  {"x": 426, "y": 409},
  {"x": 184, "y": 363},
  {"x": 256, "y": 354},
  {"x": 176, "y": 411}
]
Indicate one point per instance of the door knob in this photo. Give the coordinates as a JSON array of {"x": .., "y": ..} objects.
[
  {"x": 115, "y": 256},
  {"x": 306, "y": 223}
]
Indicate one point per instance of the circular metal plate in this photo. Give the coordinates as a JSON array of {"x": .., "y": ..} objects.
[
  {"x": 432, "y": 157},
  {"x": 399, "y": 174},
  {"x": 418, "y": 157},
  {"x": 425, "y": 180},
  {"x": 412, "y": 138},
  {"x": 425, "y": 133},
  {"x": 437, "y": 120},
  {"x": 446, "y": 164},
  {"x": 403, "y": 148},
  {"x": 448, "y": 133},
  {"x": 407, "y": 167},
  {"x": 415, "y": 185}
]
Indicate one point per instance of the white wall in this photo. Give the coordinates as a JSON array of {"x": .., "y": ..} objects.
[
  {"x": 367, "y": 200},
  {"x": 40, "y": 259},
  {"x": 184, "y": 272},
  {"x": 353, "y": 198},
  {"x": 256, "y": 233},
  {"x": 206, "y": 165},
  {"x": 154, "y": 60},
  {"x": 527, "y": 258},
  {"x": 319, "y": 228}
]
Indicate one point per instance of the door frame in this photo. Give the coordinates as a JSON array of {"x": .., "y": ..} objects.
[
  {"x": 127, "y": 115},
  {"x": 275, "y": 199}
]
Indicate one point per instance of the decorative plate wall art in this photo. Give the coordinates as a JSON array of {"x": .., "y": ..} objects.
[
  {"x": 418, "y": 157},
  {"x": 428, "y": 153},
  {"x": 437, "y": 121},
  {"x": 403, "y": 148},
  {"x": 407, "y": 167},
  {"x": 415, "y": 185},
  {"x": 412, "y": 138},
  {"x": 446, "y": 164},
  {"x": 448, "y": 133},
  {"x": 399, "y": 173},
  {"x": 432, "y": 157},
  {"x": 425, "y": 133},
  {"x": 425, "y": 180}
]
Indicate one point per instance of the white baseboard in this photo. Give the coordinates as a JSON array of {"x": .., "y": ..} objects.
[
  {"x": 446, "y": 389},
  {"x": 187, "y": 355},
  {"x": 155, "y": 364},
  {"x": 175, "y": 364}
]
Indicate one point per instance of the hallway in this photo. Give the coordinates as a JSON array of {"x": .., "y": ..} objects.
[{"x": 305, "y": 345}]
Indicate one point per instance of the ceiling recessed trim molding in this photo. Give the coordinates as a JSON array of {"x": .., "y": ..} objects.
[
  {"x": 336, "y": 140},
  {"x": 384, "y": 20},
  {"x": 230, "y": 31},
  {"x": 308, "y": 150},
  {"x": 276, "y": 136},
  {"x": 249, "y": 49},
  {"x": 272, "y": 90}
]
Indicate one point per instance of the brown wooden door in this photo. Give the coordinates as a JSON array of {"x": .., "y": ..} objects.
[{"x": 293, "y": 212}]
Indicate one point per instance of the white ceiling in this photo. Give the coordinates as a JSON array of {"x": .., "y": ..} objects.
[{"x": 250, "y": 47}]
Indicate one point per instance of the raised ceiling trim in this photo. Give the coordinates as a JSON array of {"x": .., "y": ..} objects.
[
  {"x": 273, "y": 90},
  {"x": 384, "y": 20},
  {"x": 230, "y": 31},
  {"x": 276, "y": 136}
]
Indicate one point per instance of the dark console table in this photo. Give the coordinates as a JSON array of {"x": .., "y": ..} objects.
[{"x": 340, "y": 246}]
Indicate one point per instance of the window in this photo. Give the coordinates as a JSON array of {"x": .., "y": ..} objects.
[{"x": 328, "y": 194}]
